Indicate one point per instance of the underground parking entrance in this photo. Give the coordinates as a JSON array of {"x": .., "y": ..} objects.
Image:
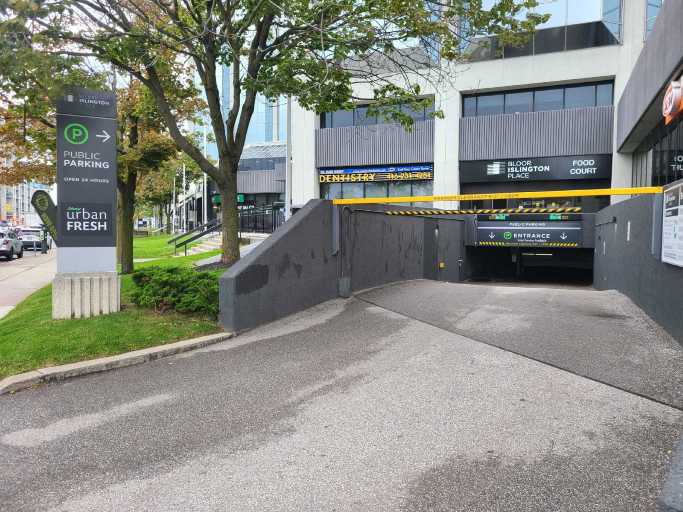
[{"x": 531, "y": 265}]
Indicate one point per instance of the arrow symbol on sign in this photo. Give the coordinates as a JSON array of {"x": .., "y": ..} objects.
[
  {"x": 563, "y": 236},
  {"x": 104, "y": 136},
  {"x": 492, "y": 236}
]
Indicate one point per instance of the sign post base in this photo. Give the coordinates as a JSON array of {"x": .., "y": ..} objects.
[{"x": 84, "y": 295}]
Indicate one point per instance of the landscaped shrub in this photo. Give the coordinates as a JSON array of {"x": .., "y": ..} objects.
[{"x": 179, "y": 288}]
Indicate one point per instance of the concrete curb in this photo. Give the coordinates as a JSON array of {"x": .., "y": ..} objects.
[{"x": 67, "y": 371}]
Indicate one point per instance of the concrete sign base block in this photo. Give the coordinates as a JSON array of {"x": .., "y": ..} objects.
[{"x": 85, "y": 295}]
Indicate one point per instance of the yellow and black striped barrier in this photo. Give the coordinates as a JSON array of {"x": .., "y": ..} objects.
[
  {"x": 541, "y": 194},
  {"x": 547, "y": 244},
  {"x": 485, "y": 211}
]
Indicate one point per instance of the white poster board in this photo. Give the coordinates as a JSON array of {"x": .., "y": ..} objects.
[{"x": 672, "y": 225}]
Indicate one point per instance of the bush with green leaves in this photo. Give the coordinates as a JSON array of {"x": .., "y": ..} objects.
[{"x": 182, "y": 289}]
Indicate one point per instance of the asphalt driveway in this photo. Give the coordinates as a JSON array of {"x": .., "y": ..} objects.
[{"x": 367, "y": 404}]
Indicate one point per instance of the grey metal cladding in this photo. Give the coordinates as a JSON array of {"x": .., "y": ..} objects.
[
  {"x": 374, "y": 145},
  {"x": 259, "y": 182},
  {"x": 640, "y": 105},
  {"x": 581, "y": 131}
]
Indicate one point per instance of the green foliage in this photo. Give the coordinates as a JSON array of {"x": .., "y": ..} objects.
[{"x": 182, "y": 289}]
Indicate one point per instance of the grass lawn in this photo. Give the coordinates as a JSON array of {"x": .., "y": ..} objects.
[
  {"x": 152, "y": 246},
  {"x": 30, "y": 339}
]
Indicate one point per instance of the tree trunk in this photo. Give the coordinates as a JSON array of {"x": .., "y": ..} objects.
[
  {"x": 167, "y": 210},
  {"x": 124, "y": 225},
  {"x": 228, "y": 189}
]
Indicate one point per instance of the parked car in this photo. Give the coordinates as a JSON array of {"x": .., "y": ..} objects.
[
  {"x": 10, "y": 245},
  {"x": 30, "y": 238}
]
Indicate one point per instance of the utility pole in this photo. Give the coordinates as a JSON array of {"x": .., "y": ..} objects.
[{"x": 173, "y": 217}]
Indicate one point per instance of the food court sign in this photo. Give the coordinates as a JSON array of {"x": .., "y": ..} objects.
[{"x": 86, "y": 169}]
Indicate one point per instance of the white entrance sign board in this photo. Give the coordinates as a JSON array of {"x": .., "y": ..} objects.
[{"x": 672, "y": 224}]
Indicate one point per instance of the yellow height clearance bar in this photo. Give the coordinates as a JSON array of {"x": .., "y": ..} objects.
[{"x": 546, "y": 194}]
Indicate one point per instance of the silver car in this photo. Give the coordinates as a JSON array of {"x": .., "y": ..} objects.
[{"x": 10, "y": 245}]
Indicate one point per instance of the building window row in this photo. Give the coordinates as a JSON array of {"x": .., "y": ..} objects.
[
  {"x": 537, "y": 100},
  {"x": 376, "y": 189},
  {"x": 660, "y": 160},
  {"x": 358, "y": 116}
]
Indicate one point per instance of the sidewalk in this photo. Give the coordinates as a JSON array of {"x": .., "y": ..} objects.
[{"x": 19, "y": 278}]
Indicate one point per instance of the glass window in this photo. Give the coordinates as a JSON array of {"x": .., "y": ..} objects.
[
  {"x": 651, "y": 13},
  {"x": 549, "y": 99},
  {"x": 423, "y": 188},
  {"x": 579, "y": 97},
  {"x": 469, "y": 106},
  {"x": 399, "y": 188},
  {"x": 361, "y": 118},
  {"x": 342, "y": 118},
  {"x": 417, "y": 115},
  {"x": 589, "y": 35},
  {"x": 604, "y": 94},
  {"x": 352, "y": 190},
  {"x": 519, "y": 102},
  {"x": 376, "y": 189},
  {"x": 522, "y": 50},
  {"x": 611, "y": 16},
  {"x": 549, "y": 40},
  {"x": 331, "y": 190},
  {"x": 489, "y": 105},
  {"x": 429, "y": 110}
]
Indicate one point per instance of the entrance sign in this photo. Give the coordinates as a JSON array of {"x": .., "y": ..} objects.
[
  {"x": 86, "y": 169},
  {"x": 584, "y": 167},
  {"x": 529, "y": 234},
  {"x": 672, "y": 224}
]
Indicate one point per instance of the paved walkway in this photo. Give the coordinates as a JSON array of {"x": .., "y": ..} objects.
[
  {"x": 19, "y": 278},
  {"x": 416, "y": 397}
]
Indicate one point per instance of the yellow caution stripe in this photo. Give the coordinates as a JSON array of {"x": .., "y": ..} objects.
[
  {"x": 544, "y": 194},
  {"x": 508, "y": 244},
  {"x": 486, "y": 211}
]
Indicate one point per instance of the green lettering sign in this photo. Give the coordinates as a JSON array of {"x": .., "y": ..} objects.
[{"x": 76, "y": 133}]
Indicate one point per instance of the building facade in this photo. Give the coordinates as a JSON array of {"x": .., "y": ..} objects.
[{"x": 539, "y": 117}]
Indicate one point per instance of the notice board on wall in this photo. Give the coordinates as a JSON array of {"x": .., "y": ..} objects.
[{"x": 672, "y": 224}]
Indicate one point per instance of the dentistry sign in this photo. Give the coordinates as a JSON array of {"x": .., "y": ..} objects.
[{"x": 86, "y": 169}]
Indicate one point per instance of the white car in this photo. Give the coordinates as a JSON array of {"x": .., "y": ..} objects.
[
  {"x": 10, "y": 245},
  {"x": 31, "y": 237}
]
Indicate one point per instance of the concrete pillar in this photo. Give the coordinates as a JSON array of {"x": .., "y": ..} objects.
[
  {"x": 446, "y": 148},
  {"x": 305, "y": 184},
  {"x": 85, "y": 295}
]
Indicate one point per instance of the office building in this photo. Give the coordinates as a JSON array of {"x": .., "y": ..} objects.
[{"x": 576, "y": 107}]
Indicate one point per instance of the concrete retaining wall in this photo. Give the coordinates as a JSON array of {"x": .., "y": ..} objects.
[
  {"x": 324, "y": 252},
  {"x": 627, "y": 258},
  {"x": 293, "y": 269}
]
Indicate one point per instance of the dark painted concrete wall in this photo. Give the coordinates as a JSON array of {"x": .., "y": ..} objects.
[
  {"x": 292, "y": 270},
  {"x": 629, "y": 266},
  {"x": 308, "y": 260}
]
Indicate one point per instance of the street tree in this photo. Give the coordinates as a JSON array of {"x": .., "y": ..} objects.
[{"x": 318, "y": 52}]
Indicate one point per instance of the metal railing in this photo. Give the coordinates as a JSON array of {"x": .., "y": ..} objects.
[
  {"x": 255, "y": 220},
  {"x": 261, "y": 220}
]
